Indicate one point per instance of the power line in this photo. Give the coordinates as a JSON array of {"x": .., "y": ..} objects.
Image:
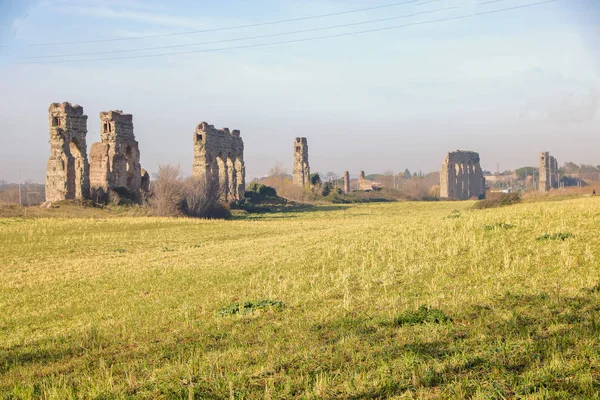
[
  {"x": 433, "y": 21},
  {"x": 243, "y": 38},
  {"x": 282, "y": 21}
]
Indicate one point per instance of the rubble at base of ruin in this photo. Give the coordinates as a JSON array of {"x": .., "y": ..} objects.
[
  {"x": 364, "y": 183},
  {"x": 548, "y": 172},
  {"x": 115, "y": 160},
  {"x": 301, "y": 173},
  {"x": 461, "y": 177},
  {"x": 219, "y": 159}
]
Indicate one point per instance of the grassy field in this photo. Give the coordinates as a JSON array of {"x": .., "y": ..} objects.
[{"x": 141, "y": 307}]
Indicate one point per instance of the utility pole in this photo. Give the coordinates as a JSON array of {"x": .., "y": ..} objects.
[{"x": 20, "y": 200}]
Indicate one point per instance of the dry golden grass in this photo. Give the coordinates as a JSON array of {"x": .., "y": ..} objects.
[{"x": 128, "y": 307}]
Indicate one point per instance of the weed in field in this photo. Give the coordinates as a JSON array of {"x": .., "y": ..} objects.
[
  {"x": 498, "y": 226},
  {"x": 250, "y": 307},
  {"x": 454, "y": 216},
  {"x": 119, "y": 251},
  {"x": 556, "y": 236},
  {"x": 422, "y": 316}
]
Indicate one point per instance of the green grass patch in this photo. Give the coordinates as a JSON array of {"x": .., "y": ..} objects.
[
  {"x": 556, "y": 236},
  {"x": 250, "y": 307},
  {"x": 497, "y": 226},
  {"x": 424, "y": 315}
]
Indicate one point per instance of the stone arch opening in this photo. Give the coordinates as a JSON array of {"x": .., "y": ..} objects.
[
  {"x": 231, "y": 192},
  {"x": 75, "y": 172},
  {"x": 222, "y": 177},
  {"x": 128, "y": 154}
]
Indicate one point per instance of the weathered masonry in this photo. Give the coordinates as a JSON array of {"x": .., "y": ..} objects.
[
  {"x": 363, "y": 182},
  {"x": 548, "y": 172},
  {"x": 219, "y": 159},
  {"x": 115, "y": 161},
  {"x": 346, "y": 182},
  {"x": 461, "y": 176},
  {"x": 301, "y": 167},
  {"x": 67, "y": 173}
]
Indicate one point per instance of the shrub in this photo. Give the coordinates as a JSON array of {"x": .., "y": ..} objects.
[
  {"x": 496, "y": 200},
  {"x": 202, "y": 199},
  {"x": 315, "y": 179},
  {"x": 327, "y": 189},
  {"x": 193, "y": 197},
  {"x": 422, "y": 316},
  {"x": 167, "y": 192},
  {"x": 258, "y": 192}
]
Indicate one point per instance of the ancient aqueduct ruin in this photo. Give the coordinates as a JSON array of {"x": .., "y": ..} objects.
[
  {"x": 115, "y": 160},
  {"x": 218, "y": 159}
]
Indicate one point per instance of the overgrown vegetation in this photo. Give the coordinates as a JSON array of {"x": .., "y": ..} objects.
[
  {"x": 423, "y": 315},
  {"x": 82, "y": 319},
  {"x": 174, "y": 196},
  {"x": 496, "y": 200}
]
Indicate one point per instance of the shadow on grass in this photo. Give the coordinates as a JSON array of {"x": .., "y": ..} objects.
[
  {"x": 288, "y": 211},
  {"x": 514, "y": 341}
]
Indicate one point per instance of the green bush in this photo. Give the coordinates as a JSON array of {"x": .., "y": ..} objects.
[{"x": 257, "y": 191}]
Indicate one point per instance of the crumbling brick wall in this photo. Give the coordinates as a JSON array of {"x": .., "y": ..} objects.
[
  {"x": 219, "y": 158},
  {"x": 346, "y": 182},
  {"x": 461, "y": 176},
  {"x": 67, "y": 173},
  {"x": 115, "y": 160},
  {"x": 364, "y": 183},
  {"x": 301, "y": 173},
  {"x": 548, "y": 172}
]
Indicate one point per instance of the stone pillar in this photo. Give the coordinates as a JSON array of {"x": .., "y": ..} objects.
[
  {"x": 241, "y": 176},
  {"x": 232, "y": 179},
  {"x": 116, "y": 158},
  {"x": 346, "y": 182},
  {"x": 223, "y": 176},
  {"x": 301, "y": 173},
  {"x": 545, "y": 177},
  {"x": 67, "y": 173}
]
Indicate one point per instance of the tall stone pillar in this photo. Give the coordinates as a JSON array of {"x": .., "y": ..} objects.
[
  {"x": 346, "y": 182},
  {"x": 301, "y": 173},
  {"x": 67, "y": 173}
]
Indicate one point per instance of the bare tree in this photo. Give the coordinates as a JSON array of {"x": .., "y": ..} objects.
[
  {"x": 167, "y": 191},
  {"x": 278, "y": 170},
  {"x": 200, "y": 197},
  {"x": 331, "y": 177}
]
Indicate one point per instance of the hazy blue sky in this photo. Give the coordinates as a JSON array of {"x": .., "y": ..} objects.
[{"x": 508, "y": 84}]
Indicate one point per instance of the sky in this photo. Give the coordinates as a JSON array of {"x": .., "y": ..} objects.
[{"x": 505, "y": 78}]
